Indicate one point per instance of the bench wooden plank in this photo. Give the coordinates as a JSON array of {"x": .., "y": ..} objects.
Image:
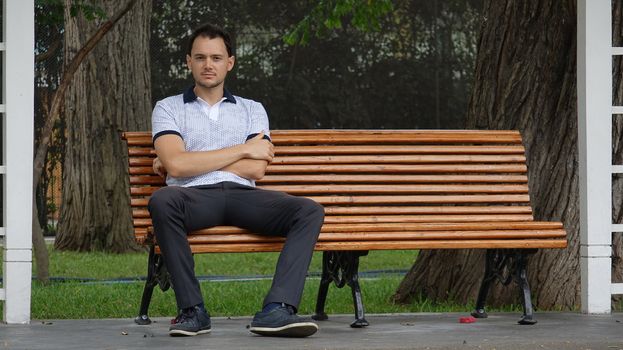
[
  {"x": 458, "y": 209},
  {"x": 396, "y": 168},
  {"x": 393, "y": 149},
  {"x": 388, "y": 245},
  {"x": 142, "y": 220},
  {"x": 369, "y": 179},
  {"x": 381, "y": 236},
  {"x": 383, "y": 200},
  {"x": 329, "y": 189},
  {"x": 377, "y": 159},
  {"x": 390, "y": 179},
  {"x": 368, "y": 150},
  {"x": 408, "y": 210}
]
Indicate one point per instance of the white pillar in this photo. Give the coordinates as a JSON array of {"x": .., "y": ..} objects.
[
  {"x": 18, "y": 99},
  {"x": 594, "y": 79}
]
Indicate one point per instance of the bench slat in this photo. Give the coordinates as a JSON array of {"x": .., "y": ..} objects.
[
  {"x": 399, "y": 200},
  {"x": 373, "y": 211},
  {"x": 414, "y": 199},
  {"x": 394, "y": 138},
  {"x": 373, "y": 189},
  {"x": 458, "y": 209},
  {"x": 376, "y": 159},
  {"x": 385, "y": 236},
  {"x": 368, "y": 179},
  {"x": 399, "y": 159},
  {"x": 397, "y": 169},
  {"x": 387, "y": 245},
  {"x": 403, "y": 189},
  {"x": 393, "y": 149},
  {"x": 378, "y": 169},
  {"x": 139, "y": 151},
  {"x": 144, "y": 221},
  {"x": 391, "y": 179},
  {"x": 371, "y": 136},
  {"x": 405, "y": 227}
]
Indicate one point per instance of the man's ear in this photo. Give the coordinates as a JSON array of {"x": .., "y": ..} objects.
[
  {"x": 230, "y": 62},
  {"x": 188, "y": 61}
]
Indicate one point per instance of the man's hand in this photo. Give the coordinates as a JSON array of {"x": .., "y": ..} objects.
[
  {"x": 159, "y": 168},
  {"x": 260, "y": 149}
]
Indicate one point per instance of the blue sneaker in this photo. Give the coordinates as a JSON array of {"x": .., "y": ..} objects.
[
  {"x": 191, "y": 321},
  {"x": 282, "y": 322}
]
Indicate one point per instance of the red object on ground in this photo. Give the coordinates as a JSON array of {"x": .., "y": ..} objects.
[{"x": 468, "y": 319}]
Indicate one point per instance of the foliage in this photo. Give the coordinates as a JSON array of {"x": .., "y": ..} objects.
[
  {"x": 55, "y": 11},
  {"x": 328, "y": 15}
]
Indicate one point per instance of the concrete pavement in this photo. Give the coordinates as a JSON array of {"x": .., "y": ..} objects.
[{"x": 555, "y": 330}]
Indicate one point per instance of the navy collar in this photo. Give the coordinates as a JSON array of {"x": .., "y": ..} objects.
[{"x": 190, "y": 96}]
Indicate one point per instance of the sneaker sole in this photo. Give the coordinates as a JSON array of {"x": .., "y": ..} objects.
[
  {"x": 181, "y": 333},
  {"x": 295, "y": 330}
]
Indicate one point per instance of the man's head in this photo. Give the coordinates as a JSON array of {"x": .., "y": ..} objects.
[
  {"x": 209, "y": 56},
  {"x": 211, "y": 31}
]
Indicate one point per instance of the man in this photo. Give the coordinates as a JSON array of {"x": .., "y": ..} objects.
[{"x": 212, "y": 146}]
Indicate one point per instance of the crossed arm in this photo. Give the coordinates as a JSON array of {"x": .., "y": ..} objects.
[{"x": 248, "y": 160}]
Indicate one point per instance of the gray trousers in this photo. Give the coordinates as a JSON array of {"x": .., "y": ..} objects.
[{"x": 175, "y": 211}]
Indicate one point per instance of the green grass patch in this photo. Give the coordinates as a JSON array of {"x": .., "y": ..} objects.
[
  {"x": 68, "y": 299},
  {"x": 104, "y": 266},
  {"x": 65, "y": 298},
  {"x": 78, "y": 300}
]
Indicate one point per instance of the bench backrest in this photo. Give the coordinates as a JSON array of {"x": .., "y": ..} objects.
[{"x": 408, "y": 178}]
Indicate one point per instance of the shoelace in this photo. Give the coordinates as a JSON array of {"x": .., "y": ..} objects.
[
  {"x": 183, "y": 316},
  {"x": 290, "y": 310}
]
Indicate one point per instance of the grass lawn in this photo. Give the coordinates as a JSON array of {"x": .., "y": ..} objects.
[{"x": 66, "y": 297}]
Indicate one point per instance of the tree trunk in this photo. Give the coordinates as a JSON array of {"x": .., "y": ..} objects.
[
  {"x": 526, "y": 79},
  {"x": 40, "y": 249},
  {"x": 111, "y": 93}
]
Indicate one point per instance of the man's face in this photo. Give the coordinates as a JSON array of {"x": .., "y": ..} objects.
[{"x": 209, "y": 62}]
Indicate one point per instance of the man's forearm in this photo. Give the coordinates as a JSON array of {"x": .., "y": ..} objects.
[
  {"x": 185, "y": 164},
  {"x": 251, "y": 169},
  {"x": 180, "y": 163}
]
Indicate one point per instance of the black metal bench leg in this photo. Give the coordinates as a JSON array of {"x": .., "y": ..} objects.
[
  {"x": 156, "y": 275},
  {"x": 148, "y": 291},
  {"x": 323, "y": 290},
  {"x": 526, "y": 298},
  {"x": 485, "y": 285},
  {"x": 360, "y": 320}
]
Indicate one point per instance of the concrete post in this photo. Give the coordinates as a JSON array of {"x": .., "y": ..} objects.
[
  {"x": 594, "y": 78},
  {"x": 18, "y": 120}
]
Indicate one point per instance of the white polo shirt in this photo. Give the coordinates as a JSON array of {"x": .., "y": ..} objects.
[{"x": 229, "y": 122}]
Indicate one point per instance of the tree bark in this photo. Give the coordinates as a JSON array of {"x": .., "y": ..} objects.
[
  {"x": 525, "y": 79},
  {"x": 42, "y": 256},
  {"x": 111, "y": 94}
]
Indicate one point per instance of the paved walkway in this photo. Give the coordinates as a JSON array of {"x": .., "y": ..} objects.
[{"x": 402, "y": 331}]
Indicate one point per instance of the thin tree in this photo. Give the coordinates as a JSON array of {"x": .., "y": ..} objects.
[
  {"x": 525, "y": 79},
  {"x": 52, "y": 114},
  {"x": 111, "y": 93}
]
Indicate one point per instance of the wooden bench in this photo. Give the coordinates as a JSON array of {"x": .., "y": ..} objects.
[{"x": 381, "y": 189}]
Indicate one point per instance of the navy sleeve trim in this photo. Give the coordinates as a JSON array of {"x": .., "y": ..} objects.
[
  {"x": 166, "y": 132},
  {"x": 257, "y": 133}
]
